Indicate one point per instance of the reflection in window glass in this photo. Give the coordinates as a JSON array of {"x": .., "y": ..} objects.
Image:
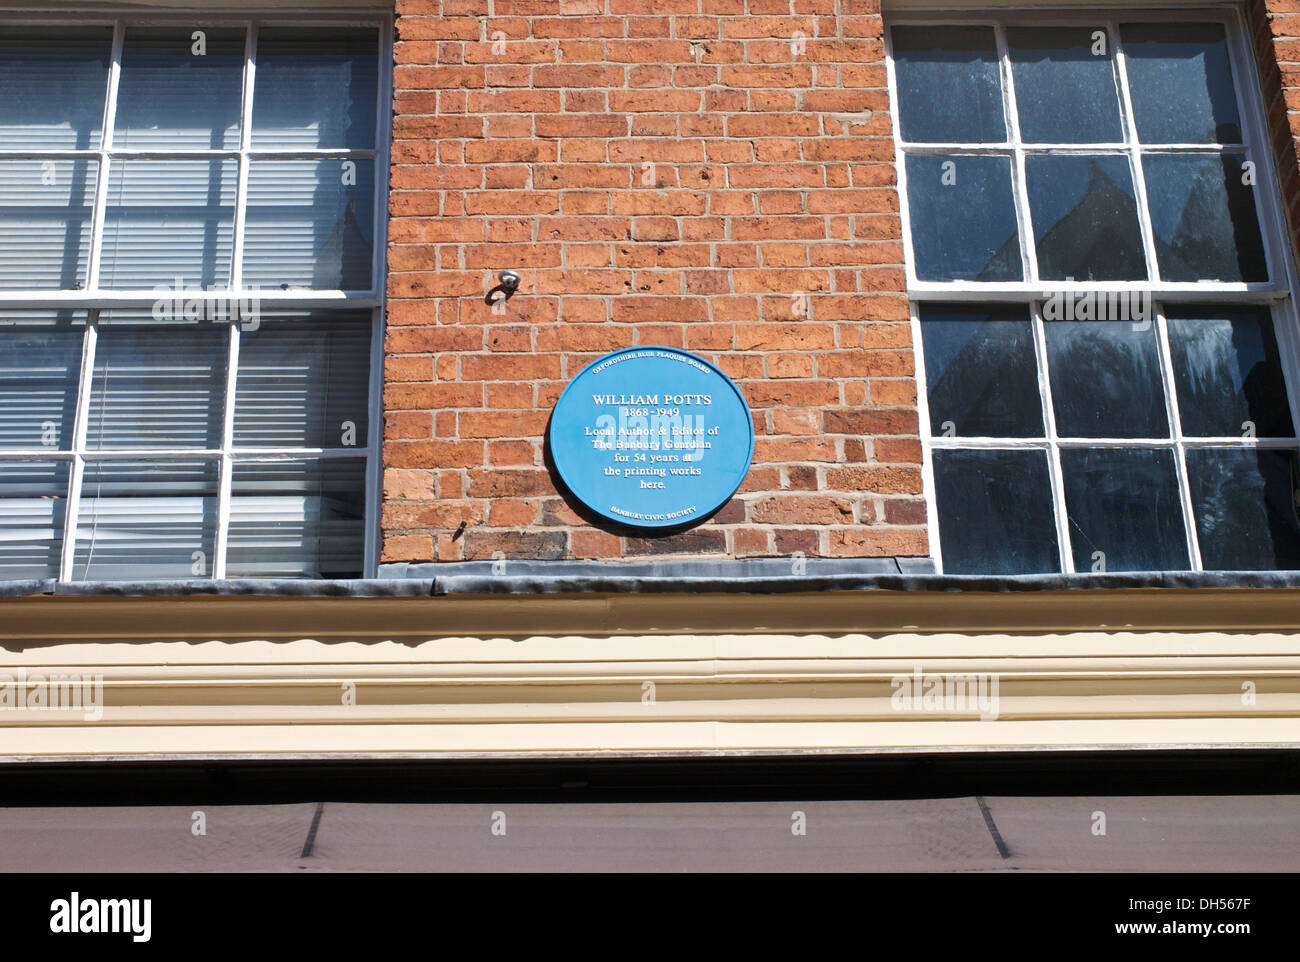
[
  {"x": 53, "y": 83},
  {"x": 995, "y": 512},
  {"x": 963, "y": 218},
  {"x": 1065, "y": 85},
  {"x": 1228, "y": 374},
  {"x": 1085, "y": 217},
  {"x": 981, "y": 377},
  {"x": 180, "y": 92},
  {"x": 316, "y": 88},
  {"x": 1123, "y": 509},
  {"x": 1181, "y": 83},
  {"x": 1204, "y": 218},
  {"x": 1106, "y": 379},
  {"x": 1245, "y": 505},
  {"x": 949, "y": 89}
]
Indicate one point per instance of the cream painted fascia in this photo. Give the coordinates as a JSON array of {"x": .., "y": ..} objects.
[{"x": 234, "y": 676}]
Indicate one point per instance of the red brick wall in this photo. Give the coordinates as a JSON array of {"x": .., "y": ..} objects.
[
  {"x": 1276, "y": 28},
  {"x": 716, "y": 175}
]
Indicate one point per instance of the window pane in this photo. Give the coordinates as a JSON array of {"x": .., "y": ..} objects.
[
  {"x": 963, "y": 218},
  {"x": 178, "y": 91},
  {"x": 304, "y": 382},
  {"x": 158, "y": 387},
  {"x": 1124, "y": 510},
  {"x": 1229, "y": 374},
  {"x": 1065, "y": 92},
  {"x": 297, "y": 519},
  {"x": 33, "y": 495},
  {"x": 169, "y": 219},
  {"x": 1244, "y": 499},
  {"x": 1085, "y": 218},
  {"x": 995, "y": 512},
  {"x": 1105, "y": 379},
  {"x": 45, "y": 214},
  {"x": 310, "y": 224},
  {"x": 146, "y": 520},
  {"x": 949, "y": 89},
  {"x": 54, "y": 81},
  {"x": 981, "y": 377},
  {"x": 316, "y": 88},
  {"x": 39, "y": 368},
  {"x": 1204, "y": 218},
  {"x": 1181, "y": 83}
]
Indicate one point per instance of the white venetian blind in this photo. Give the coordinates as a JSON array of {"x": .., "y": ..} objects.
[
  {"x": 39, "y": 365},
  {"x": 304, "y": 381},
  {"x": 130, "y": 392},
  {"x": 294, "y": 519},
  {"x": 158, "y": 386},
  {"x": 169, "y": 219},
  {"x": 45, "y": 215}
]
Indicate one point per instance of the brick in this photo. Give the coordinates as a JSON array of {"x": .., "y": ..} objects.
[
  {"x": 812, "y": 509},
  {"x": 893, "y": 479},
  {"x": 767, "y": 238}
]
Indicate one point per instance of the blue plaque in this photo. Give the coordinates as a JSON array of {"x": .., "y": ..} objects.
[{"x": 652, "y": 437}]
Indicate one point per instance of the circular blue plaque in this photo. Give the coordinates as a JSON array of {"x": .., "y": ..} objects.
[{"x": 652, "y": 437}]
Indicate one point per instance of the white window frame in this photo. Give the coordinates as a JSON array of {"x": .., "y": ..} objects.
[
  {"x": 1277, "y": 293},
  {"x": 93, "y": 299}
]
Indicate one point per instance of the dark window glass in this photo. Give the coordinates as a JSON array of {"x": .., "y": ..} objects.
[
  {"x": 963, "y": 218},
  {"x": 1085, "y": 217},
  {"x": 1228, "y": 374},
  {"x": 1123, "y": 508},
  {"x": 1105, "y": 379},
  {"x": 995, "y": 512},
  {"x": 949, "y": 89},
  {"x": 1181, "y": 83},
  {"x": 1203, "y": 216},
  {"x": 1245, "y": 505},
  {"x": 981, "y": 378},
  {"x": 1065, "y": 85}
]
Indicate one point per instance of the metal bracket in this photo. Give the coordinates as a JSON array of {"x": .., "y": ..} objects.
[{"x": 509, "y": 284}]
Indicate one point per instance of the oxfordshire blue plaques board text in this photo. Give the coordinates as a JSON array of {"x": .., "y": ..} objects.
[{"x": 652, "y": 437}]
